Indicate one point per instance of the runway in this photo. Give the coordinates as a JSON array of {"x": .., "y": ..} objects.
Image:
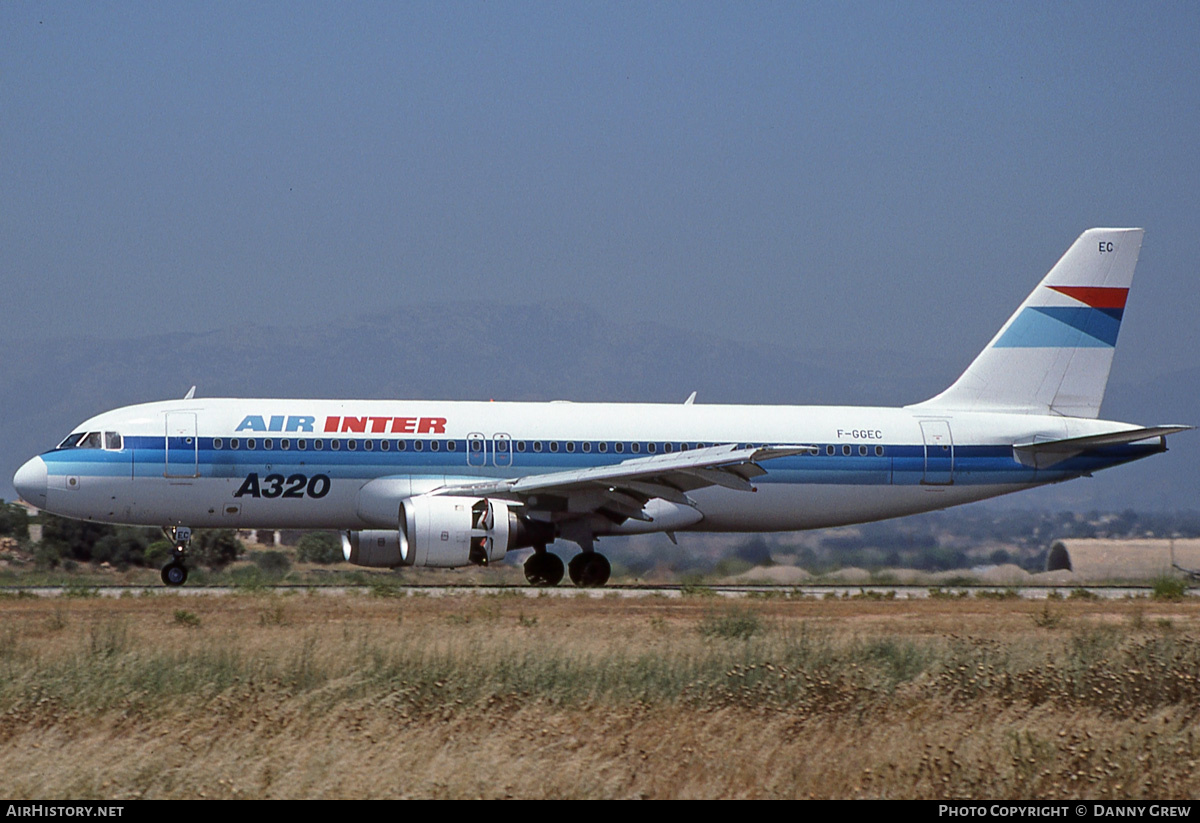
[{"x": 876, "y": 593}]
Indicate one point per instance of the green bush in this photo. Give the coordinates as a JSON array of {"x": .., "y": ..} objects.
[
  {"x": 272, "y": 563},
  {"x": 14, "y": 521},
  {"x": 320, "y": 547},
  {"x": 75, "y": 540},
  {"x": 733, "y": 624},
  {"x": 47, "y": 555},
  {"x": 158, "y": 553},
  {"x": 215, "y": 548},
  {"x": 1169, "y": 588}
]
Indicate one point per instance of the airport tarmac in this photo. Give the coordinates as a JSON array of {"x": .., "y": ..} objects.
[{"x": 622, "y": 592}]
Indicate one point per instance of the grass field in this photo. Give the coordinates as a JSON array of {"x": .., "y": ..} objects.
[{"x": 263, "y": 694}]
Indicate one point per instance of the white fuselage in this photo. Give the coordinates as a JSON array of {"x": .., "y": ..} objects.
[{"x": 303, "y": 464}]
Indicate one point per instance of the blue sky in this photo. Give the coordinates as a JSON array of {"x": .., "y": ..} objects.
[{"x": 828, "y": 175}]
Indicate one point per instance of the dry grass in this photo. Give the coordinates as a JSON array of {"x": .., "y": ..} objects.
[{"x": 271, "y": 695}]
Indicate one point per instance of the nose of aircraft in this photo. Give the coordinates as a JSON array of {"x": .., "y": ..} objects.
[{"x": 30, "y": 482}]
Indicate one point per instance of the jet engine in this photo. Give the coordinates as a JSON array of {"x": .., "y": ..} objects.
[{"x": 446, "y": 532}]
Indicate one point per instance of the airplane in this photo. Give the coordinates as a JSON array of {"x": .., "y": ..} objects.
[{"x": 453, "y": 484}]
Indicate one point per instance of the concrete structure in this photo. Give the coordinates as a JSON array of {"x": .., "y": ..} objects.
[{"x": 1124, "y": 560}]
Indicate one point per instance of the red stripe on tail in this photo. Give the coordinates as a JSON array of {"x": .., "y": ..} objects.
[{"x": 1098, "y": 297}]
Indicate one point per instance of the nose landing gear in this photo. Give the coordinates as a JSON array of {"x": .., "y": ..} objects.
[{"x": 175, "y": 573}]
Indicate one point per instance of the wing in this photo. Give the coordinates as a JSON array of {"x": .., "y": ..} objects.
[{"x": 622, "y": 490}]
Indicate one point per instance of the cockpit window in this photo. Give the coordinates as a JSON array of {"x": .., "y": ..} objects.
[
  {"x": 112, "y": 441},
  {"x": 71, "y": 440},
  {"x": 78, "y": 440}
]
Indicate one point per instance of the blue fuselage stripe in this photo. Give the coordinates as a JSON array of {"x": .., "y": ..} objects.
[{"x": 898, "y": 464}]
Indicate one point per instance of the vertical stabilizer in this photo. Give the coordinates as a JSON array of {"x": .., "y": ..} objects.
[{"x": 1054, "y": 354}]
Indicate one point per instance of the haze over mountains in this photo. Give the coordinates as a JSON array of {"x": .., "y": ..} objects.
[{"x": 483, "y": 350}]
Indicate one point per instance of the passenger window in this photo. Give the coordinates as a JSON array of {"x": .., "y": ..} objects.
[
  {"x": 587, "y": 447},
  {"x": 384, "y": 445},
  {"x": 451, "y": 445},
  {"x": 302, "y": 445},
  {"x": 351, "y": 445},
  {"x": 620, "y": 447},
  {"x": 879, "y": 451},
  {"x": 234, "y": 443},
  {"x": 401, "y": 445},
  {"x": 417, "y": 445},
  {"x": 285, "y": 444},
  {"x": 433, "y": 445},
  {"x": 318, "y": 445},
  {"x": 553, "y": 445},
  {"x": 268, "y": 444},
  {"x": 218, "y": 444},
  {"x": 520, "y": 445},
  {"x": 603, "y": 447},
  {"x": 251, "y": 443},
  {"x": 846, "y": 451},
  {"x": 862, "y": 450},
  {"x": 335, "y": 445},
  {"x": 537, "y": 445},
  {"x": 368, "y": 445},
  {"x": 829, "y": 450},
  {"x": 570, "y": 445}
]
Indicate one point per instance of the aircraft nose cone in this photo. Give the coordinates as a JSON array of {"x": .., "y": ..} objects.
[{"x": 30, "y": 482}]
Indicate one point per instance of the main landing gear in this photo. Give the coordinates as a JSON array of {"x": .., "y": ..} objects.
[
  {"x": 175, "y": 573},
  {"x": 588, "y": 569},
  {"x": 543, "y": 568}
]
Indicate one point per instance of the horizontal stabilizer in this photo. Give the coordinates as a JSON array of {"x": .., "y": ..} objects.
[{"x": 1048, "y": 452}]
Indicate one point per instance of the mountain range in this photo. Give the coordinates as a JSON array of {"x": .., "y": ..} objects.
[{"x": 482, "y": 350}]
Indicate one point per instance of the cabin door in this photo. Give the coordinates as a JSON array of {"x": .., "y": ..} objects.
[
  {"x": 181, "y": 449},
  {"x": 939, "y": 453}
]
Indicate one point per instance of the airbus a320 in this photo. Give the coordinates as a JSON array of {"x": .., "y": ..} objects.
[{"x": 420, "y": 483}]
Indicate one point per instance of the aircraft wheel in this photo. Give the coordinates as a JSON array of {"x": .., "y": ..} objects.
[
  {"x": 590, "y": 570},
  {"x": 174, "y": 574},
  {"x": 544, "y": 569}
]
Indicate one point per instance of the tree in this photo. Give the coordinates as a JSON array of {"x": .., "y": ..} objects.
[
  {"x": 126, "y": 546},
  {"x": 319, "y": 547},
  {"x": 272, "y": 563},
  {"x": 215, "y": 548},
  {"x": 14, "y": 521},
  {"x": 72, "y": 539}
]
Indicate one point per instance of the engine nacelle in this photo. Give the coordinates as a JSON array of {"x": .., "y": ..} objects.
[{"x": 446, "y": 532}]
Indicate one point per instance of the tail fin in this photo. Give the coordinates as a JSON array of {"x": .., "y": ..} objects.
[{"x": 1054, "y": 354}]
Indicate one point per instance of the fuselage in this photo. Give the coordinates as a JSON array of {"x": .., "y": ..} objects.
[{"x": 303, "y": 464}]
